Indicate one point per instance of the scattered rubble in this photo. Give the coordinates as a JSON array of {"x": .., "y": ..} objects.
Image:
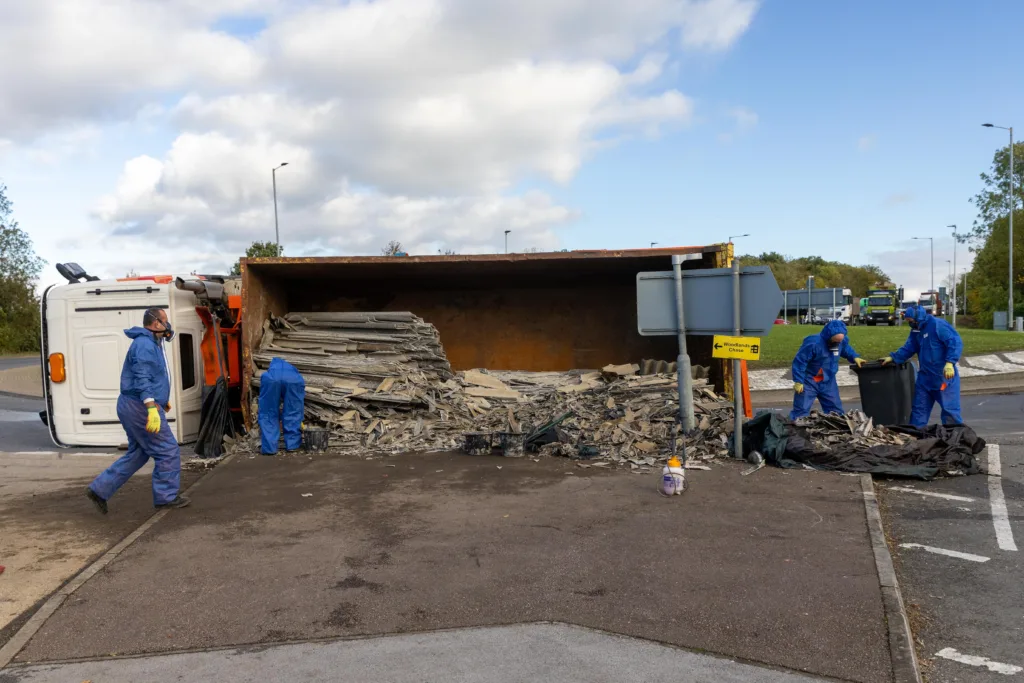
[
  {"x": 855, "y": 427},
  {"x": 380, "y": 382}
]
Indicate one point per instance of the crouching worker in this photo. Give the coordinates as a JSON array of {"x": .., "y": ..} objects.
[
  {"x": 142, "y": 409},
  {"x": 815, "y": 367},
  {"x": 938, "y": 347}
]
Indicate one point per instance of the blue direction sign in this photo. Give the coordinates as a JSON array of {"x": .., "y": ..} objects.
[{"x": 707, "y": 299}]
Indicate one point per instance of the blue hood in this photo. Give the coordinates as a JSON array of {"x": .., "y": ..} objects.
[
  {"x": 917, "y": 313},
  {"x": 832, "y": 328},
  {"x": 136, "y": 332}
]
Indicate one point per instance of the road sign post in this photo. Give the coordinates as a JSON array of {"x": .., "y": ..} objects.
[
  {"x": 684, "y": 378},
  {"x": 697, "y": 302},
  {"x": 737, "y": 390}
]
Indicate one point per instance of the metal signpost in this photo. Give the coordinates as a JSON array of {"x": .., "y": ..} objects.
[{"x": 679, "y": 302}]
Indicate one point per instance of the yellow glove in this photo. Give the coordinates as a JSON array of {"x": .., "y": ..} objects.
[
  {"x": 859, "y": 361},
  {"x": 798, "y": 388},
  {"x": 947, "y": 371},
  {"x": 153, "y": 421},
  {"x": 886, "y": 360}
]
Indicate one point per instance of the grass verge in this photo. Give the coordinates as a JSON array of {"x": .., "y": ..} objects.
[{"x": 779, "y": 347}]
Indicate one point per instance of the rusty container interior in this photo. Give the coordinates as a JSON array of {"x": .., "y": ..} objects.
[{"x": 541, "y": 312}]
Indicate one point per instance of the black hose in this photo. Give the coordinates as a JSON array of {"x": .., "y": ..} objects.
[{"x": 214, "y": 422}]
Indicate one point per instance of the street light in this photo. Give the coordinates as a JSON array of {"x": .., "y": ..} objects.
[
  {"x": 273, "y": 179},
  {"x": 1009, "y": 312},
  {"x": 954, "y": 272},
  {"x": 732, "y": 236},
  {"x": 506, "y": 240},
  {"x": 931, "y": 241},
  {"x": 652, "y": 244}
]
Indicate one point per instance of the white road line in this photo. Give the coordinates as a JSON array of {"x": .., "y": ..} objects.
[
  {"x": 974, "y": 660},
  {"x": 946, "y": 496},
  {"x": 948, "y": 553},
  {"x": 1000, "y": 519}
]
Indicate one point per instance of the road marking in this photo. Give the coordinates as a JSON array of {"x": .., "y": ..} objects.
[
  {"x": 946, "y": 496},
  {"x": 974, "y": 660},
  {"x": 948, "y": 553},
  {"x": 1000, "y": 519}
]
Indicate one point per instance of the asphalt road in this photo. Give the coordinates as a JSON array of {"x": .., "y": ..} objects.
[
  {"x": 8, "y": 362},
  {"x": 774, "y": 568},
  {"x": 967, "y": 612}
]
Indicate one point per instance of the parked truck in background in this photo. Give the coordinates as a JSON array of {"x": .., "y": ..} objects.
[
  {"x": 931, "y": 302},
  {"x": 882, "y": 305},
  {"x": 822, "y": 303}
]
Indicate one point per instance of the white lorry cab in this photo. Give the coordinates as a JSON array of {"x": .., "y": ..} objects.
[{"x": 84, "y": 347}]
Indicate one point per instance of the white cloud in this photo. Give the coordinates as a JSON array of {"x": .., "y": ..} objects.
[
  {"x": 911, "y": 265},
  {"x": 898, "y": 199},
  {"x": 400, "y": 119}
]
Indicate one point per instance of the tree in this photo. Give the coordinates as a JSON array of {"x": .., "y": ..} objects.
[
  {"x": 447, "y": 252},
  {"x": 258, "y": 250},
  {"x": 394, "y": 248},
  {"x": 989, "y": 277},
  {"x": 19, "y": 270},
  {"x": 792, "y": 273},
  {"x": 992, "y": 200}
]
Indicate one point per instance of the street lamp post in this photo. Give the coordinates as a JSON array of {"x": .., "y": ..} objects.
[
  {"x": 653, "y": 244},
  {"x": 1009, "y": 312},
  {"x": 273, "y": 180},
  {"x": 733, "y": 236},
  {"x": 506, "y": 240},
  {"x": 954, "y": 272},
  {"x": 931, "y": 241}
]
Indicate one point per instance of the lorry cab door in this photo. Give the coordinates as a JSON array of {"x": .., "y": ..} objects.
[
  {"x": 185, "y": 363},
  {"x": 92, "y": 321}
]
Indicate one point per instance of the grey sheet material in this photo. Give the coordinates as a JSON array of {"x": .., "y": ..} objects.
[{"x": 938, "y": 449}]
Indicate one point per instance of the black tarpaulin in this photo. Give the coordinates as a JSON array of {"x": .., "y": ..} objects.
[{"x": 937, "y": 449}]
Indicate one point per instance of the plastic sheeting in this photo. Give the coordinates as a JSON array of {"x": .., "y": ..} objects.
[{"x": 937, "y": 449}]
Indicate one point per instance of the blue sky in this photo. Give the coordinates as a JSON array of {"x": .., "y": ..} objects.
[
  {"x": 820, "y": 128},
  {"x": 868, "y": 133}
]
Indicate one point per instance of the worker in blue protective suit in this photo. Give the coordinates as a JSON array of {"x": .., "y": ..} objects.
[
  {"x": 938, "y": 347},
  {"x": 815, "y": 367},
  {"x": 282, "y": 402},
  {"x": 142, "y": 409}
]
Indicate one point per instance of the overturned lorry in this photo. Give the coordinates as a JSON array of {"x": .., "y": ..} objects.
[{"x": 416, "y": 353}]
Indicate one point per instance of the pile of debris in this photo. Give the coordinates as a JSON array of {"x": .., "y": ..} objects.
[
  {"x": 380, "y": 382},
  {"x": 853, "y": 443},
  {"x": 354, "y": 363},
  {"x": 826, "y": 431}
]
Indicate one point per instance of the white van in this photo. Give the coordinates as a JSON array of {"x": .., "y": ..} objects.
[{"x": 84, "y": 346}]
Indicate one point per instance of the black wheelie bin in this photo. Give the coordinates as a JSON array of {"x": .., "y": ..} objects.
[{"x": 886, "y": 391}]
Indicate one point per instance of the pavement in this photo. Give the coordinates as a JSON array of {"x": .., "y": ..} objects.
[
  {"x": 525, "y": 652},
  {"x": 20, "y": 375},
  {"x": 774, "y": 569},
  {"x": 991, "y": 366}
]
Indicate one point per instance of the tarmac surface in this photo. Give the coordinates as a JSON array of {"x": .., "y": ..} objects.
[
  {"x": 774, "y": 568},
  {"x": 974, "y": 607}
]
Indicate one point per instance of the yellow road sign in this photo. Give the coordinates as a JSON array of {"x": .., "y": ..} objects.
[{"x": 744, "y": 348}]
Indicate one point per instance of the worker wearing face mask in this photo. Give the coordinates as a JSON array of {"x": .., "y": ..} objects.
[
  {"x": 815, "y": 367},
  {"x": 142, "y": 409},
  {"x": 938, "y": 348}
]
